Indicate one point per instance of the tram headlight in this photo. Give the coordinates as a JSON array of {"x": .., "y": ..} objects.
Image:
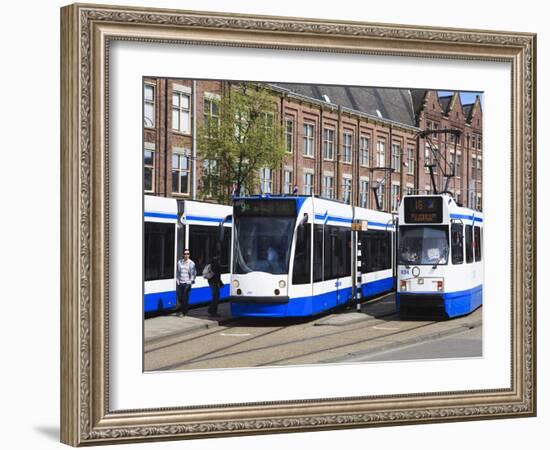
[
  {"x": 277, "y": 292},
  {"x": 282, "y": 284},
  {"x": 440, "y": 286},
  {"x": 235, "y": 284},
  {"x": 403, "y": 285}
]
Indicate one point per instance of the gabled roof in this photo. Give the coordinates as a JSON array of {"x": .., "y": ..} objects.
[
  {"x": 418, "y": 99},
  {"x": 385, "y": 103},
  {"x": 468, "y": 109},
  {"x": 445, "y": 102}
]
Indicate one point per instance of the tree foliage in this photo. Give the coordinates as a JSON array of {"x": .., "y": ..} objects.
[{"x": 242, "y": 137}]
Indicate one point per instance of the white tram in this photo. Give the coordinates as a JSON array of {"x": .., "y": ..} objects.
[
  {"x": 297, "y": 256},
  {"x": 171, "y": 226},
  {"x": 440, "y": 263},
  {"x": 159, "y": 245}
]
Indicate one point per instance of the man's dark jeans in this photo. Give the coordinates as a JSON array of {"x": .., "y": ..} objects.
[
  {"x": 213, "y": 308},
  {"x": 183, "y": 297}
]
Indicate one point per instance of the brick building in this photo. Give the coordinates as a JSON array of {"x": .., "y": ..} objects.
[
  {"x": 347, "y": 143},
  {"x": 463, "y": 152}
]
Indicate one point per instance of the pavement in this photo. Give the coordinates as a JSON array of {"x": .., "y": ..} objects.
[{"x": 161, "y": 327}]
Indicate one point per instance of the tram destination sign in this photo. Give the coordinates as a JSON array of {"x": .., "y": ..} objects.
[
  {"x": 423, "y": 210},
  {"x": 263, "y": 208}
]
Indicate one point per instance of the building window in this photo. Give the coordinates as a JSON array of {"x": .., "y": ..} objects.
[
  {"x": 427, "y": 157},
  {"x": 381, "y": 194},
  {"x": 410, "y": 190},
  {"x": 394, "y": 197},
  {"x": 346, "y": 194},
  {"x": 309, "y": 142},
  {"x": 364, "y": 194},
  {"x": 148, "y": 106},
  {"x": 180, "y": 112},
  {"x": 479, "y": 145},
  {"x": 289, "y": 135},
  {"x": 328, "y": 186},
  {"x": 211, "y": 113},
  {"x": 148, "y": 170},
  {"x": 364, "y": 151},
  {"x": 266, "y": 180},
  {"x": 210, "y": 168},
  {"x": 458, "y": 165},
  {"x": 308, "y": 183},
  {"x": 381, "y": 153},
  {"x": 180, "y": 173},
  {"x": 328, "y": 143},
  {"x": 395, "y": 157},
  {"x": 268, "y": 121},
  {"x": 474, "y": 167},
  {"x": 287, "y": 181},
  {"x": 410, "y": 161},
  {"x": 453, "y": 137},
  {"x": 478, "y": 205},
  {"x": 347, "y": 147},
  {"x": 478, "y": 170}
]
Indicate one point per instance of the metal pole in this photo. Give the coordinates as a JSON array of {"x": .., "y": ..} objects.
[{"x": 194, "y": 145}]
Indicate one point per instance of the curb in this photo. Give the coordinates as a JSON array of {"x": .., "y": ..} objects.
[{"x": 413, "y": 340}]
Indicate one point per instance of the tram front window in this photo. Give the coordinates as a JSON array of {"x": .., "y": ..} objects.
[
  {"x": 423, "y": 245},
  {"x": 262, "y": 244}
]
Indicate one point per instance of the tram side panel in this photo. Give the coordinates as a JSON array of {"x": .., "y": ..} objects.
[
  {"x": 376, "y": 263},
  {"x": 200, "y": 234},
  {"x": 332, "y": 253},
  {"x": 159, "y": 264}
]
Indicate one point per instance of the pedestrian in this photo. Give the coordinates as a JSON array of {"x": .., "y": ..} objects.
[
  {"x": 185, "y": 278},
  {"x": 215, "y": 281}
]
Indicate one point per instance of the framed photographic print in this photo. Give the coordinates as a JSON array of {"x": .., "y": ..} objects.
[{"x": 278, "y": 224}]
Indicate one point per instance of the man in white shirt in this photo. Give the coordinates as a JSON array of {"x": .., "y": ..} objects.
[{"x": 185, "y": 277}]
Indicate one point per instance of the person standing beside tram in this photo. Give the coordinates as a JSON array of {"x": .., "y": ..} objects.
[
  {"x": 185, "y": 277},
  {"x": 213, "y": 276}
]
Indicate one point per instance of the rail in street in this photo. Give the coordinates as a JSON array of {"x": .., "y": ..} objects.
[{"x": 198, "y": 342}]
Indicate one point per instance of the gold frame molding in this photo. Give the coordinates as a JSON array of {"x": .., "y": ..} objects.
[{"x": 86, "y": 31}]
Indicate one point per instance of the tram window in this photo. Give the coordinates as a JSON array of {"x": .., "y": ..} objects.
[
  {"x": 204, "y": 245},
  {"x": 477, "y": 243},
  {"x": 375, "y": 250},
  {"x": 302, "y": 256},
  {"x": 457, "y": 243},
  {"x": 318, "y": 239},
  {"x": 159, "y": 251},
  {"x": 344, "y": 262},
  {"x": 469, "y": 244},
  {"x": 337, "y": 256}
]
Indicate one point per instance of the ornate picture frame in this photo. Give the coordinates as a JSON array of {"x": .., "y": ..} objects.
[{"x": 86, "y": 34}]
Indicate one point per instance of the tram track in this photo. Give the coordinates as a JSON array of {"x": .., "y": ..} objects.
[
  {"x": 211, "y": 355},
  {"x": 241, "y": 322}
]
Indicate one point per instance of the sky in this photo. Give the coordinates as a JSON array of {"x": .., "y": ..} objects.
[{"x": 465, "y": 97}]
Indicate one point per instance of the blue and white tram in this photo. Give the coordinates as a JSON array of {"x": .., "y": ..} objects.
[
  {"x": 375, "y": 251},
  {"x": 295, "y": 256},
  {"x": 159, "y": 243},
  {"x": 172, "y": 225},
  {"x": 440, "y": 256},
  {"x": 201, "y": 235}
]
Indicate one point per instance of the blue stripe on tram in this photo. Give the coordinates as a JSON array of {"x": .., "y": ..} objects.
[{"x": 310, "y": 305}]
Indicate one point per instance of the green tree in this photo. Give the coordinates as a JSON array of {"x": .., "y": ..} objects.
[{"x": 239, "y": 140}]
